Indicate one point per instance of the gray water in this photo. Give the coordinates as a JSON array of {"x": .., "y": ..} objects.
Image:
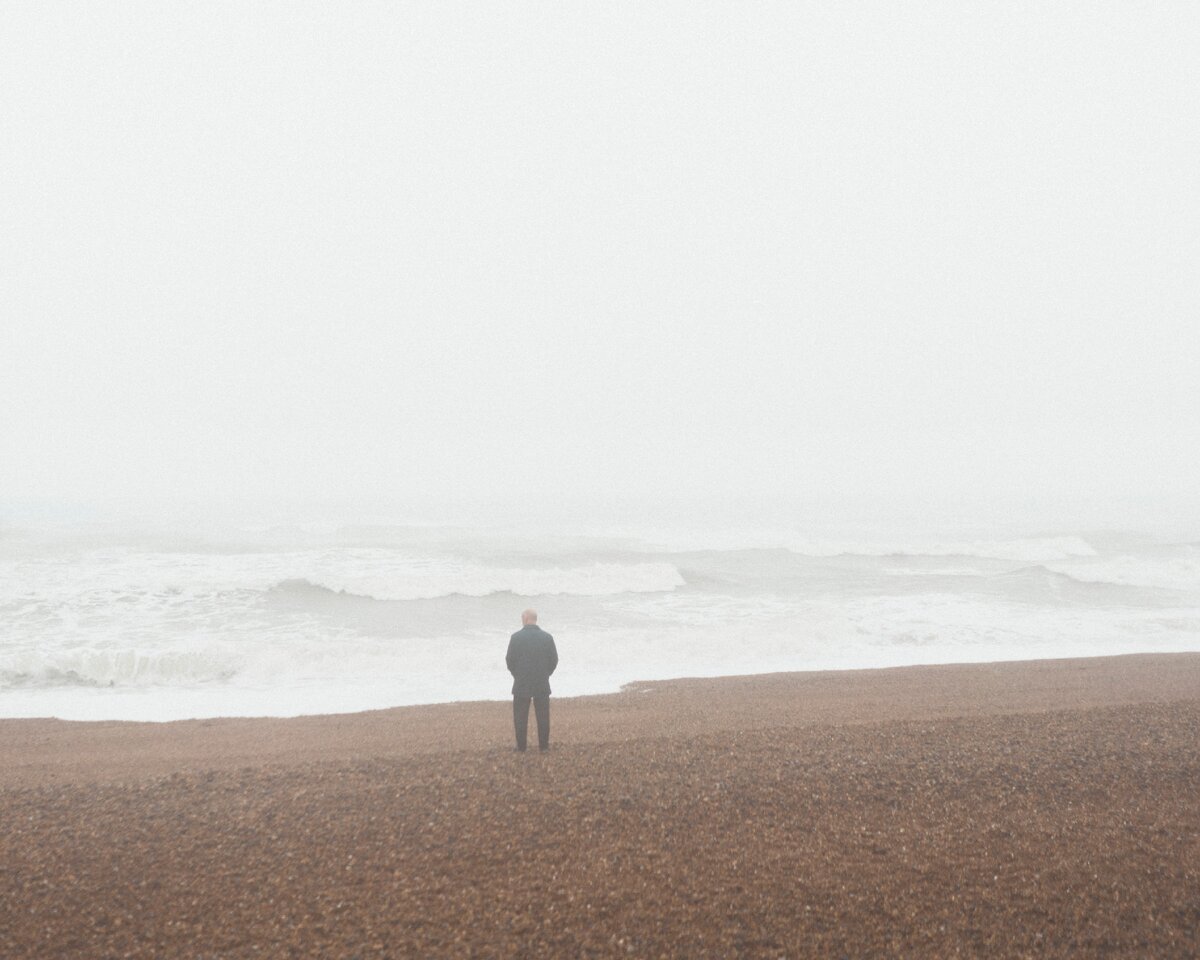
[{"x": 99, "y": 622}]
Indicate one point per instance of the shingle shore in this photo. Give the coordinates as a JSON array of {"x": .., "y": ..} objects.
[{"x": 1040, "y": 809}]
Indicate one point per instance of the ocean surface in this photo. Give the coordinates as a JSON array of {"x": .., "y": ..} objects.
[{"x": 103, "y": 623}]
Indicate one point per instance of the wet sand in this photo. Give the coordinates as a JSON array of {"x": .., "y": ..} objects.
[{"x": 1049, "y": 808}]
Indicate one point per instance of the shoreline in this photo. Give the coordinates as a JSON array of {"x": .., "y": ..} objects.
[
  {"x": 1040, "y": 807},
  {"x": 61, "y": 749},
  {"x": 502, "y": 681}
]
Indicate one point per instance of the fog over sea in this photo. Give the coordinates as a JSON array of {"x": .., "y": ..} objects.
[{"x": 153, "y": 623}]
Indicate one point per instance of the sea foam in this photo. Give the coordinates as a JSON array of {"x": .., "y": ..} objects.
[{"x": 350, "y": 620}]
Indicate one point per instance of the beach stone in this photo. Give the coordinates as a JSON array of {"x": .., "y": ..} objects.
[{"x": 1005, "y": 819}]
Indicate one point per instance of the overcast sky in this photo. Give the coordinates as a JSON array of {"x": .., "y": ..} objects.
[{"x": 397, "y": 251}]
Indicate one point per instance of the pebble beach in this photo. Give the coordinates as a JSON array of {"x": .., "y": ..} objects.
[{"x": 1044, "y": 808}]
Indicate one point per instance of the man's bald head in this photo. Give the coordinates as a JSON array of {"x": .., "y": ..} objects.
[{"x": 528, "y": 617}]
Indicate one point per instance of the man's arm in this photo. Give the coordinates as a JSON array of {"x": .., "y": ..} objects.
[
  {"x": 508, "y": 658},
  {"x": 553, "y": 657}
]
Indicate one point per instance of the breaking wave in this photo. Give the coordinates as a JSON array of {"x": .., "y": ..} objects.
[
  {"x": 114, "y": 668},
  {"x": 1179, "y": 572},
  {"x": 107, "y": 630},
  {"x": 598, "y": 579},
  {"x": 1033, "y": 550}
]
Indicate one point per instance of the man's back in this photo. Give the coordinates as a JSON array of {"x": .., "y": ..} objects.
[{"x": 531, "y": 658}]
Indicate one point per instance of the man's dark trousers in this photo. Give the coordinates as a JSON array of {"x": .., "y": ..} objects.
[{"x": 541, "y": 711}]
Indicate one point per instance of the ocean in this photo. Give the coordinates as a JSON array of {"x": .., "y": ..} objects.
[{"x": 98, "y": 622}]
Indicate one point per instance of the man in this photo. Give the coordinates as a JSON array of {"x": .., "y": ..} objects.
[{"x": 531, "y": 659}]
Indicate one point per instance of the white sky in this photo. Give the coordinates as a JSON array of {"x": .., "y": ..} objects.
[{"x": 394, "y": 251}]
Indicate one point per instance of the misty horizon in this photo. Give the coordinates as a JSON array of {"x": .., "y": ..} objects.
[{"x": 500, "y": 257}]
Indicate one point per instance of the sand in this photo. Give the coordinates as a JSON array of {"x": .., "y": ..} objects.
[{"x": 1049, "y": 808}]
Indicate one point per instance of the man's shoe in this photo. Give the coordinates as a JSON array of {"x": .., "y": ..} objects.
[
  {"x": 543, "y": 749},
  {"x": 518, "y": 749}
]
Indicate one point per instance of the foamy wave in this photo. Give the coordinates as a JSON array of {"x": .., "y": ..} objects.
[
  {"x": 114, "y": 668},
  {"x": 1020, "y": 549},
  {"x": 1034, "y": 583},
  {"x": 1170, "y": 573},
  {"x": 1027, "y": 550},
  {"x": 135, "y": 632},
  {"x": 599, "y": 579}
]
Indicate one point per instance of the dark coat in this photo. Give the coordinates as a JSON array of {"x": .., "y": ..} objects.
[{"x": 531, "y": 658}]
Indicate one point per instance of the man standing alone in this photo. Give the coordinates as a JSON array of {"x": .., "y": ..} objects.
[{"x": 531, "y": 659}]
